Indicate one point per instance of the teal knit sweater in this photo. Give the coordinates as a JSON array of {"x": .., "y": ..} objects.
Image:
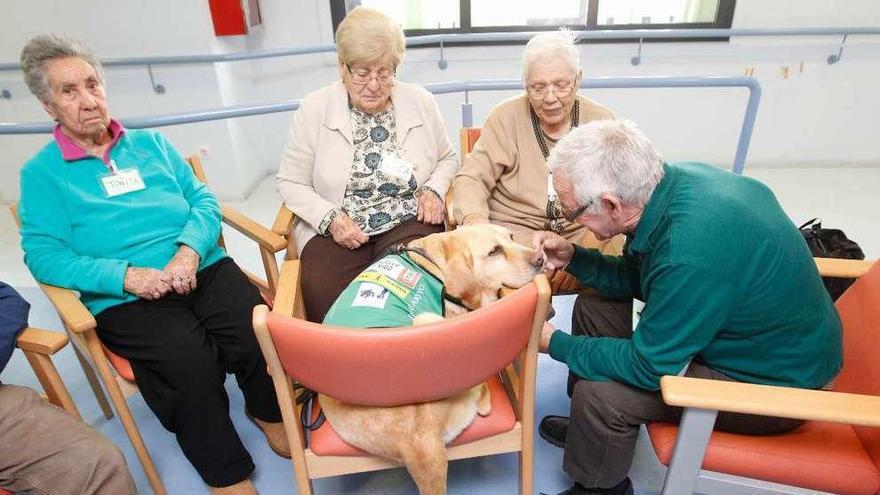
[
  {"x": 74, "y": 236},
  {"x": 727, "y": 280}
]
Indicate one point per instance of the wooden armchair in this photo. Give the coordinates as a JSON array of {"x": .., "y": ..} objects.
[
  {"x": 114, "y": 371},
  {"x": 354, "y": 366},
  {"x": 837, "y": 450}
]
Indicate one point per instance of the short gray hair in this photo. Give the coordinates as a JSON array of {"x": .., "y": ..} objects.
[
  {"x": 45, "y": 48},
  {"x": 608, "y": 156},
  {"x": 550, "y": 46}
]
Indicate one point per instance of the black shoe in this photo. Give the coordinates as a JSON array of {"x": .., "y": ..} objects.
[
  {"x": 553, "y": 429},
  {"x": 625, "y": 487}
]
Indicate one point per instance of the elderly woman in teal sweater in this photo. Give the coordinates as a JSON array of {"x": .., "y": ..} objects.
[{"x": 119, "y": 216}]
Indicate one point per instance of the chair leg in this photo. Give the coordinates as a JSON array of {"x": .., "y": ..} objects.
[
  {"x": 694, "y": 432},
  {"x": 93, "y": 382},
  {"x": 526, "y": 480},
  {"x": 125, "y": 416}
]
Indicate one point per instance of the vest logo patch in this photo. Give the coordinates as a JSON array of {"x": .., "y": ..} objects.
[{"x": 370, "y": 295}]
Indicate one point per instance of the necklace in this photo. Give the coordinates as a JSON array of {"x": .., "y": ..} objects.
[
  {"x": 555, "y": 222},
  {"x": 542, "y": 137}
]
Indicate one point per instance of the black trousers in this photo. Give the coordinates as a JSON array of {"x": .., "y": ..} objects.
[
  {"x": 605, "y": 416},
  {"x": 181, "y": 348}
]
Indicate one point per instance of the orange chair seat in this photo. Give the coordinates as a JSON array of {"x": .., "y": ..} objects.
[
  {"x": 120, "y": 364},
  {"x": 818, "y": 455},
  {"x": 325, "y": 441}
]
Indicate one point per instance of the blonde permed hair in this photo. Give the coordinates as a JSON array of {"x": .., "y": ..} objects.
[{"x": 367, "y": 35}]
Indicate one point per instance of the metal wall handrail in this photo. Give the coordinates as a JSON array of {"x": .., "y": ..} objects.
[
  {"x": 414, "y": 41},
  {"x": 466, "y": 87}
]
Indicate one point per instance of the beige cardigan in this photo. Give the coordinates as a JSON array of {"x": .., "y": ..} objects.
[
  {"x": 504, "y": 178},
  {"x": 316, "y": 162}
]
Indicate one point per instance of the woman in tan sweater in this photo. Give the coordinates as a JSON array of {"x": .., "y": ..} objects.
[{"x": 505, "y": 179}]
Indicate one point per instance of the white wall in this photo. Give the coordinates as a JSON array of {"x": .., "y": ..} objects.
[{"x": 822, "y": 115}]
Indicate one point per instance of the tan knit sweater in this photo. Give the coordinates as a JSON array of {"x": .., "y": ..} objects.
[{"x": 504, "y": 178}]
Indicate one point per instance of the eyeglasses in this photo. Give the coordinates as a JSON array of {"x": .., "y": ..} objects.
[
  {"x": 362, "y": 77},
  {"x": 575, "y": 213},
  {"x": 560, "y": 88}
]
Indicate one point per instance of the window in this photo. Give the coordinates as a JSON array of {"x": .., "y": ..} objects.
[{"x": 473, "y": 16}]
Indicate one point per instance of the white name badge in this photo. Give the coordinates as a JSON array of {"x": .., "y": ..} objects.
[
  {"x": 394, "y": 166},
  {"x": 123, "y": 182},
  {"x": 551, "y": 193}
]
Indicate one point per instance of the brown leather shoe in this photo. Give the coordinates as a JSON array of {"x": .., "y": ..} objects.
[
  {"x": 276, "y": 437},
  {"x": 244, "y": 487}
]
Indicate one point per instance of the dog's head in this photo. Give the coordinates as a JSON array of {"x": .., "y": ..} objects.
[{"x": 476, "y": 261}]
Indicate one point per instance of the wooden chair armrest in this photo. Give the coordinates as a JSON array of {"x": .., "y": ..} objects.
[
  {"x": 283, "y": 220},
  {"x": 833, "y": 267},
  {"x": 288, "y": 285},
  {"x": 785, "y": 402},
  {"x": 71, "y": 310},
  {"x": 261, "y": 235},
  {"x": 41, "y": 341}
]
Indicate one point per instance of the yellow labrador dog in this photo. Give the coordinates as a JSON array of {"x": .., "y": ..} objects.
[{"x": 474, "y": 263}]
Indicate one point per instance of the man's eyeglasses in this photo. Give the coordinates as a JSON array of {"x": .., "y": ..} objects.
[
  {"x": 362, "y": 77},
  {"x": 575, "y": 213},
  {"x": 560, "y": 88}
]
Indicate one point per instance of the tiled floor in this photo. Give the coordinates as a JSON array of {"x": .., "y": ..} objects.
[{"x": 846, "y": 198}]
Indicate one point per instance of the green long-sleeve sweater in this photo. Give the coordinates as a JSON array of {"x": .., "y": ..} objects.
[
  {"x": 74, "y": 236},
  {"x": 727, "y": 280}
]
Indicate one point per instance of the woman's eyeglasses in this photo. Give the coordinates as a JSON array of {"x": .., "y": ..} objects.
[
  {"x": 561, "y": 89},
  {"x": 362, "y": 77}
]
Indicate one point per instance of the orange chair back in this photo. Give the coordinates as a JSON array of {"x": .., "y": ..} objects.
[
  {"x": 859, "y": 309},
  {"x": 469, "y": 137},
  {"x": 412, "y": 364}
]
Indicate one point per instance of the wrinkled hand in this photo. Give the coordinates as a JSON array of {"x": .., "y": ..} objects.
[
  {"x": 346, "y": 232},
  {"x": 553, "y": 250},
  {"x": 146, "y": 283},
  {"x": 546, "y": 334},
  {"x": 180, "y": 272},
  {"x": 430, "y": 208}
]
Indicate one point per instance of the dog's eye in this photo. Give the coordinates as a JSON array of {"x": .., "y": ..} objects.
[{"x": 495, "y": 251}]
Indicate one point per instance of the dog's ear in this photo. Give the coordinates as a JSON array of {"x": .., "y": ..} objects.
[{"x": 461, "y": 282}]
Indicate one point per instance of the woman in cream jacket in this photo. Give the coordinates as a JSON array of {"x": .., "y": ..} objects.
[{"x": 366, "y": 163}]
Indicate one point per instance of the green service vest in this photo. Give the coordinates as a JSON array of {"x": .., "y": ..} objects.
[{"x": 389, "y": 293}]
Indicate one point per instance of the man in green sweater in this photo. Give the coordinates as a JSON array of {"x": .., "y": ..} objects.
[{"x": 730, "y": 290}]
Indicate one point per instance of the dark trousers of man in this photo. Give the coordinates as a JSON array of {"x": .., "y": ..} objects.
[
  {"x": 327, "y": 267},
  {"x": 181, "y": 348},
  {"x": 605, "y": 416}
]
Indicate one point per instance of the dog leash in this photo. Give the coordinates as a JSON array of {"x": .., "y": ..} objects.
[
  {"x": 401, "y": 249},
  {"x": 306, "y": 398}
]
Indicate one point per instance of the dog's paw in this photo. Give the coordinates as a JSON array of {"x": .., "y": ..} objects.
[{"x": 425, "y": 318}]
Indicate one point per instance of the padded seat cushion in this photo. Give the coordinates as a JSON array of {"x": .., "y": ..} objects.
[
  {"x": 120, "y": 364},
  {"x": 820, "y": 456},
  {"x": 325, "y": 441}
]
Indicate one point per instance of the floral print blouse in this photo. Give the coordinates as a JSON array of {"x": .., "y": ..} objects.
[{"x": 380, "y": 191}]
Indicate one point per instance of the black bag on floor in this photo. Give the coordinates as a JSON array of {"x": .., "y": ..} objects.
[{"x": 831, "y": 243}]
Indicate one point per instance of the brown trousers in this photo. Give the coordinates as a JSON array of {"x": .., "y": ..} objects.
[
  {"x": 605, "y": 416},
  {"x": 45, "y": 450},
  {"x": 327, "y": 267}
]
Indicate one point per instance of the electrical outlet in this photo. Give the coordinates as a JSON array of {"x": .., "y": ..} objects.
[{"x": 204, "y": 151}]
